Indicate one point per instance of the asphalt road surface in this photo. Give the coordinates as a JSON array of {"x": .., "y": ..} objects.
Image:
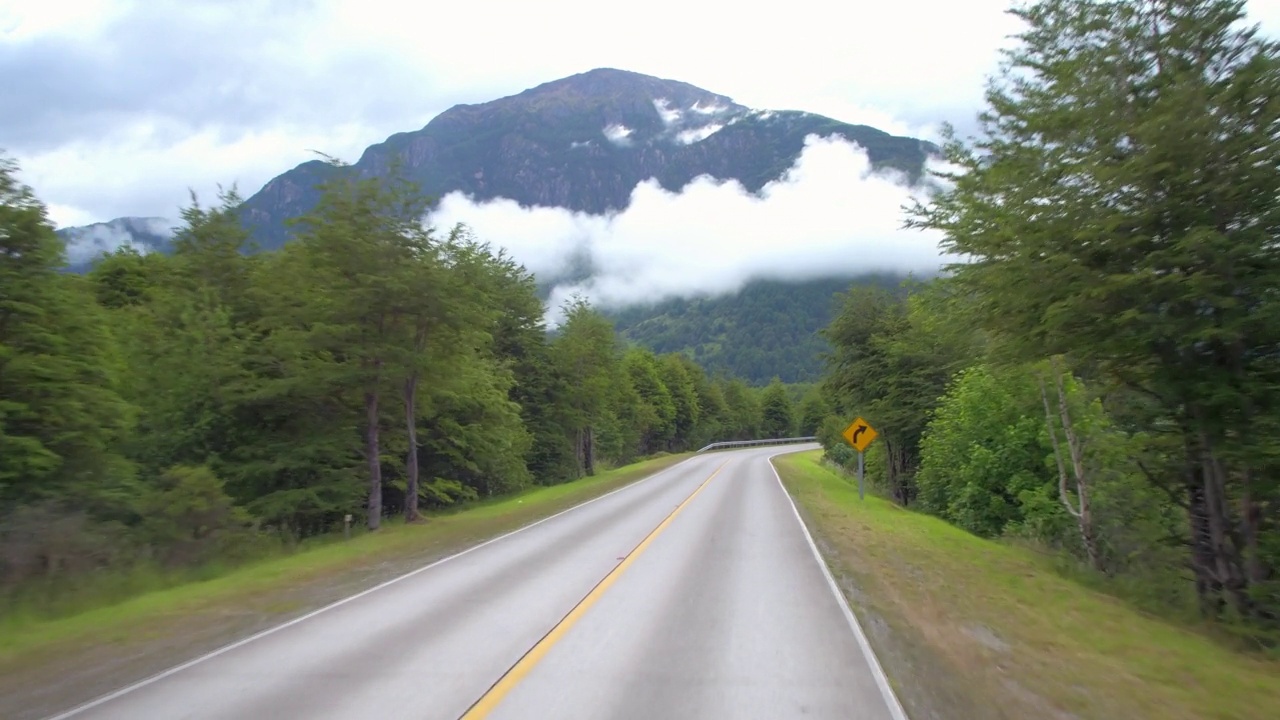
[{"x": 695, "y": 593}]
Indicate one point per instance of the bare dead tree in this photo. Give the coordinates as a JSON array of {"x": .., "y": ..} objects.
[{"x": 1079, "y": 508}]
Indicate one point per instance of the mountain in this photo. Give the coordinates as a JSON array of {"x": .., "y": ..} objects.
[
  {"x": 768, "y": 328},
  {"x": 87, "y": 242},
  {"x": 584, "y": 142}
]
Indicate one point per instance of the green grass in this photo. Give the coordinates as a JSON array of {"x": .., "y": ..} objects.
[
  {"x": 1023, "y": 639},
  {"x": 158, "y": 611}
]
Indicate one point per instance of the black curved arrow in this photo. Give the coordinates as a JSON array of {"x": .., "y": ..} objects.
[{"x": 858, "y": 431}]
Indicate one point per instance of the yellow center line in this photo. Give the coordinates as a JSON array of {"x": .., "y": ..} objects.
[{"x": 512, "y": 677}]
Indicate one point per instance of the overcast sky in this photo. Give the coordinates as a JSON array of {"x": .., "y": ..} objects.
[{"x": 116, "y": 107}]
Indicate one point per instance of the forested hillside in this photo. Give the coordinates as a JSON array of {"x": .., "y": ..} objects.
[
  {"x": 770, "y": 328},
  {"x": 1103, "y": 377},
  {"x": 172, "y": 410}
]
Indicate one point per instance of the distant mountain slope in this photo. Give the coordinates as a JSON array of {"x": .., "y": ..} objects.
[
  {"x": 769, "y": 328},
  {"x": 87, "y": 242},
  {"x": 584, "y": 142}
]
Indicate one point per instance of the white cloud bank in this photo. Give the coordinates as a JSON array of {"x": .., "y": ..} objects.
[
  {"x": 830, "y": 215},
  {"x": 95, "y": 240}
]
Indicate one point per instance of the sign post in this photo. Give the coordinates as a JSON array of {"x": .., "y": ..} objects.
[{"x": 859, "y": 434}]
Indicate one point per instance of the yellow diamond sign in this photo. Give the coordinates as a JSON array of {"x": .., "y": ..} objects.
[{"x": 860, "y": 434}]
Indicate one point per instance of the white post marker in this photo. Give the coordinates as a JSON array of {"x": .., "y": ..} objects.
[{"x": 859, "y": 434}]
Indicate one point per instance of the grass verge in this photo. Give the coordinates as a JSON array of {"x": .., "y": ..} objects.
[
  {"x": 154, "y": 613},
  {"x": 994, "y": 632}
]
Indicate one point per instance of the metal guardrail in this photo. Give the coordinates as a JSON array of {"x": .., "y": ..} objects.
[{"x": 755, "y": 443}]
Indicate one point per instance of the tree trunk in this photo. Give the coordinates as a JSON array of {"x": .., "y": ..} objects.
[
  {"x": 1227, "y": 563},
  {"x": 372, "y": 457},
  {"x": 589, "y": 451},
  {"x": 896, "y": 475},
  {"x": 411, "y": 456},
  {"x": 579, "y": 451},
  {"x": 1250, "y": 520},
  {"x": 1083, "y": 511},
  {"x": 1208, "y": 586}
]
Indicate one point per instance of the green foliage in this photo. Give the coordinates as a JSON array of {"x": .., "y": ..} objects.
[
  {"x": 60, "y": 416},
  {"x": 1114, "y": 217},
  {"x": 982, "y": 458},
  {"x": 743, "y": 421},
  {"x": 169, "y": 412},
  {"x": 191, "y": 517},
  {"x": 655, "y": 413},
  {"x": 777, "y": 417},
  {"x": 890, "y": 363},
  {"x": 678, "y": 375},
  {"x": 814, "y": 409},
  {"x": 768, "y": 328}
]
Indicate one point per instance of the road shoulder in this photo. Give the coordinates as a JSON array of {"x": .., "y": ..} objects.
[{"x": 969, "y": 628}]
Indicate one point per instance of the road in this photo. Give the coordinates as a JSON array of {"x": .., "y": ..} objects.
[{"x": 695, "y": 593}]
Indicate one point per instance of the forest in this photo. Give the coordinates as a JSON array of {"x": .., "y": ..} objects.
[
  {"x": 209, "y": 405},
  {"x": 1101, "y": 375},
  {"x": 768, "y": 328}
]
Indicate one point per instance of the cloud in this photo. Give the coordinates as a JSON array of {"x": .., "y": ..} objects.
[
  {"x": 97, "y": 240},
  {"x": 85, "y": 78},
  {"x": 88, "y": 243},
  {"x": 668, "y": 114},
  {"x": 139, "y": 175},
  {"x": 618, "y": 134},
  {"x": 693, "y": 135},
  {"x": 708, "y": 110},
  {"x": 830, "y": 215}
]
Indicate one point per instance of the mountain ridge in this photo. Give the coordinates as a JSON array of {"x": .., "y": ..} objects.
[{"x": 582, "y": 142}]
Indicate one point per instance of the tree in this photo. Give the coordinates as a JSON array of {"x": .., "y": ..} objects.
[
  {"x": 678, "y": 374},
  {"x": 889, "y": 363},
  {"x": 776, "y": 414},
  {"x": 981, "y": 454},
  {"x": 655, "y": 416},
  {"x": 361, "y": 243},
  {"x": 742, "y": 410},
  {"x": 1121, "y": 209},
  {"x": 61, "y": 417},
  {"x": 1080, "y": 506},
  {"x": 586, "y": 352},
  {"x": 815, "y": 407}
]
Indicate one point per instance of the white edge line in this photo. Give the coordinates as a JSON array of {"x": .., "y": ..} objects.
[
  {"x": 882, "y": 680},
  {"x": 269, "y": 631}
]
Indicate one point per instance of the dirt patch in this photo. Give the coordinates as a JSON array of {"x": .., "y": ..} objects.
[{"x": 984, "y": 635}]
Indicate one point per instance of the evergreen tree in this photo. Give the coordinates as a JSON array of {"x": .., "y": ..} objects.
[
  {"x": 61, "y": 419},
  {"x": 777, "y": 417},
  {"x": 1121, "y": 209}
]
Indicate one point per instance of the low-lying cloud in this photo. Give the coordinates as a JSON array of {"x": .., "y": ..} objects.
[
  {"x": 830, "y": 215},
  {"x": 86, "y": 244}
]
